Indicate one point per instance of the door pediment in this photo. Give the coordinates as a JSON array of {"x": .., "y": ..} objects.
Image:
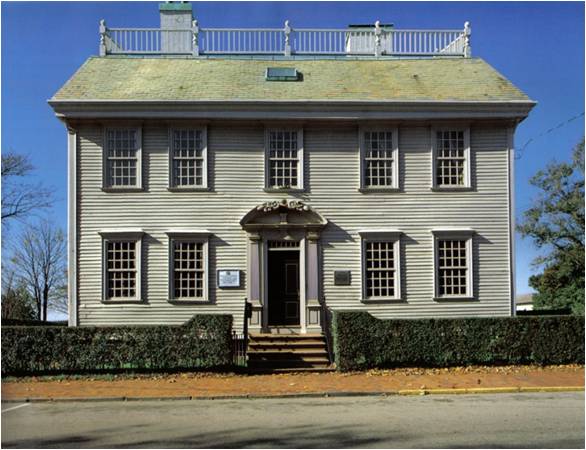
[{"x": 283, "y": 214}]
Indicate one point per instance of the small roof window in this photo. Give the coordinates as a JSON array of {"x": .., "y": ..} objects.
[{"x": 282, "y": 74}]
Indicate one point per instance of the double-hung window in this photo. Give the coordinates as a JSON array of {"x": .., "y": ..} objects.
[
  {"x": 284, "y": 159},
  {"x": 379, "y": 163},
  {"x": 122, "y": 158},
  {"x": 381, "y": 277},
  {"x": 451, "y": 158},
  {"x": 188, "y": 267},
  {"x": 188, "y": 154},
  {"x": 122, "y": 265},
  {"x": 453, "y": 264}
]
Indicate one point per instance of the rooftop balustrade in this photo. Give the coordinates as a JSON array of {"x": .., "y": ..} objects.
[{"x": 376, "y": 41}]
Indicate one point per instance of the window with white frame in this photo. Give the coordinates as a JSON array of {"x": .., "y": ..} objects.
[
  {"x": 380, "y": 159},
  {"x": 122, "y": 266},
  {"x": 188, "y": 274},
  {"x": 284, "y": 159},
  {"x": 453, "y": 265},
  {"x": 122, "y": 158},
  {"x": 451, "y": 158},
  {"x": 380, "y": 266},
  {"x": 188, "y": 158}
]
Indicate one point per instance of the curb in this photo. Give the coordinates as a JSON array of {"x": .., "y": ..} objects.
[{"x": 402, "y": 392}]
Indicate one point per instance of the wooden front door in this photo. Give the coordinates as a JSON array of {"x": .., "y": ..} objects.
[{"x": 283, "y": 287}]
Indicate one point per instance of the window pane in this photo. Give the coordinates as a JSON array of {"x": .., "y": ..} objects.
[
  {"x": 121, "y": 269},
  {"x": 450, "y": 158},
  {"x": 283, "y": 159},
  {"x": 378, "y": 159},
  {"x": 188, "y": 270},
  {"x": 452, "y": 267},
  {"x": 188, "y": 158},
  {"x": 380, "y": 269},
  {"x": 122, "y": 157}
]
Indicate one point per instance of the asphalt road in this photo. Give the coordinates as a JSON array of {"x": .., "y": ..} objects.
[{"x": 502, "y": 420}]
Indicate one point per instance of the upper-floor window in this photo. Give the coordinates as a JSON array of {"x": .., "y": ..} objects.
[
  {"x": 451, "y": 158},
  {"x": 381, "y": 278},
  {"x": 379, "y": 159},
  {"x": 453, "y": 264},
  {"x": 284, "y": 159},
  {"x": 122, "y": 158},
  {"x": 188, "y": 158}
]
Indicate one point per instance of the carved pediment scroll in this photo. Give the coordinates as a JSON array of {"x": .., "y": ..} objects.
[{"x": 283, "y": 214}]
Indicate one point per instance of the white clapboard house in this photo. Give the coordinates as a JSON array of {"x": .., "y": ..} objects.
[{"x": 307, "y": 170}]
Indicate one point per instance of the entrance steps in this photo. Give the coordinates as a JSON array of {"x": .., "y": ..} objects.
[{"x": 288, "y": 352}]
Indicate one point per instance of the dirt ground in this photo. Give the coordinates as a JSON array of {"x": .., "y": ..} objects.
[{"x": 217, "y": 385}]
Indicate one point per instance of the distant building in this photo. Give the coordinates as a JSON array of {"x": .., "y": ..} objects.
[
  {"x": 368, "y": 168},
  {"x": 524, "y": 302}
]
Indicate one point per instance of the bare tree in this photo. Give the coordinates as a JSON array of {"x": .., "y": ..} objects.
[
  {"x": 39, "y": 261},
  {"x": 19, "y": 198}
]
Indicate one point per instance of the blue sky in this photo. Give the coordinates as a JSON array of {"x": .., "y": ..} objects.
[{"x": 539, "y": 46}]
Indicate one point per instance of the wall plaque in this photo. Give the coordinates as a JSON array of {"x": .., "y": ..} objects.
[
  {"x": 342, "y": 277},
  {"x": 229, "y": 278}
]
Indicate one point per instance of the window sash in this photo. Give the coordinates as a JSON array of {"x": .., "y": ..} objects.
[
  {"x": 453, "y": 265},
  {"x": 122, "y": 157},
  {"x": 122, "y": 269},
  {"x": 380, "y": 269},
  {"x": 451, "y": 158},
  {"x": 188, "y": 269},
  {"x": 378, "y": 159},
  {"x": 188, "y": 158},
  {"x": 284, "y": 163}
]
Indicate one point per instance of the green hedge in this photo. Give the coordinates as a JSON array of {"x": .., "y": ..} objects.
[
  {"x": 202, "y": 343},
  {"x": 362, "y": 341}
]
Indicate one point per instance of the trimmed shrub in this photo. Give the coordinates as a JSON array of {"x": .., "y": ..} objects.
[
  {"x": 202, "y": 343},
  {"x": 362, "y": 341}
]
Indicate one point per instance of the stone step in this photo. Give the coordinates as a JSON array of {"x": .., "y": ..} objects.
[
  {"x": 288, "y": 351},
  {"x": 300, "y": 344},
  {"x": 260, "y": 370},
  {"x": 287, "y": 364},
  {"x": 288, "y": 357}
]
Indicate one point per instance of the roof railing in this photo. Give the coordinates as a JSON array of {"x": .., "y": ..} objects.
[{"x": 376, "y": 41}]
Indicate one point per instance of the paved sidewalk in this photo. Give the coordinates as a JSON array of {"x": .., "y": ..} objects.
[{"x": 213, "y": 385}]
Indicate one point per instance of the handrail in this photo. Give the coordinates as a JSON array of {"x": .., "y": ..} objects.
[
  {"x": 375, "y": 41},
  {"x": 327, "y": 331}
]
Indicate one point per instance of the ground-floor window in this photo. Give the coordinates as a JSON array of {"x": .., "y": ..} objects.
[
  {"x": 188, "y": 268},
  {"x": 380, "y": 266},
  {"x": 122, "y": 265},
  {"x": 453, "y": 264}
]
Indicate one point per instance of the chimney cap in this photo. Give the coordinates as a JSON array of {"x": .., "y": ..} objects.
[{"x": 175, "y": 6}]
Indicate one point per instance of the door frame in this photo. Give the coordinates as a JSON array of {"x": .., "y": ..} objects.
[{"x": 269, "y": 236}]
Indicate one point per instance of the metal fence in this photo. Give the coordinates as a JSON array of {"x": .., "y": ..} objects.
[{"x": 239, "y": 344}]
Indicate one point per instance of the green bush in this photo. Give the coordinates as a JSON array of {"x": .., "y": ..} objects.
[
  {"x": 202, "y": 343},
  {"x": 362, "y": 341}
]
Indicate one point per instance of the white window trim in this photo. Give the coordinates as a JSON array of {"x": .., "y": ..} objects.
[
  {"x": 393, "y": 236},
  {"x": 198, "y": 236},
  {"x": 464, "y": 234},
  {"x": 300, "y": 163},
  {"x": 106, "y": 183},
  {"x": 204, "y": 141},
  {"x": 362, "y": 152},
  {"x": 113, "y": 235},
  {"x": 467, "y": 165}
]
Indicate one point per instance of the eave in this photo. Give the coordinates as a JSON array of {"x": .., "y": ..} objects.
[{"x": 298, "y": 109}]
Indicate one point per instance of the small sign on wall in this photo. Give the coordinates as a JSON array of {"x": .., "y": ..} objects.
[
  {"x": 229, "y": 278},
  {"x": 342, "y": 277}
]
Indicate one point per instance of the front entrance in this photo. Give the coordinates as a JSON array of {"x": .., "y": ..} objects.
[{"x": 283, "y": 283}]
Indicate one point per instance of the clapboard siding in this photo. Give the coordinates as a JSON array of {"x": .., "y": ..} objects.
[{"x": 236, "y": 178}]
